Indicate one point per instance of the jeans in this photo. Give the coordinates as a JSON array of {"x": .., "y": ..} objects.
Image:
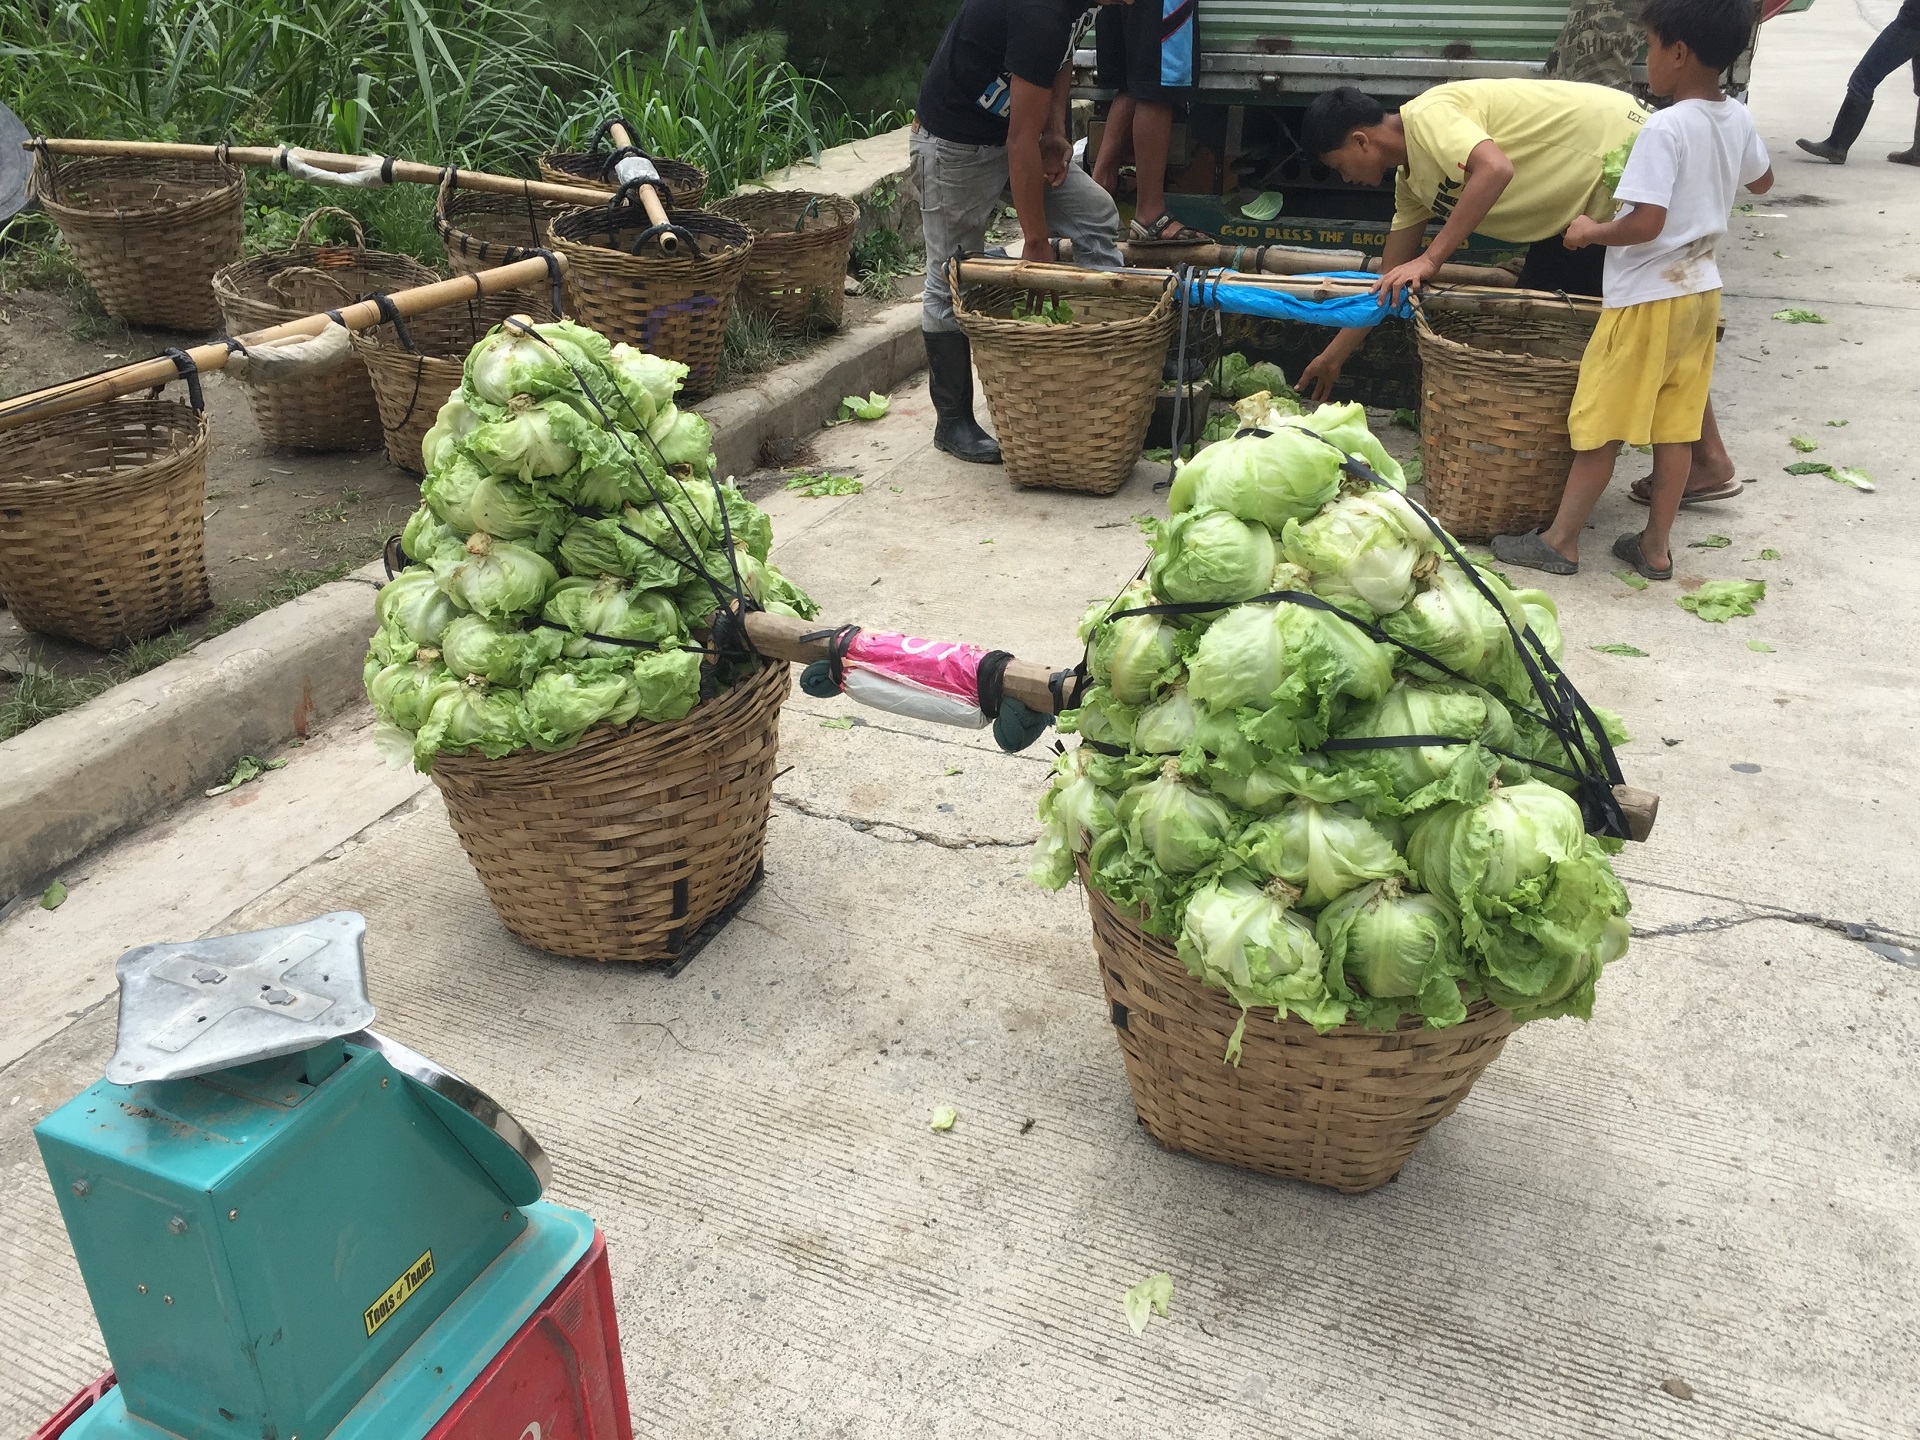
[
  {"x": 1891, "y": 48},
  {"x": 959, "y": 187}
]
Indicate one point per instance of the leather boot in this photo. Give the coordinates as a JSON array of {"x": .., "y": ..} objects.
[
  {"x": 950, "y": 383},
  {"x": 1909, "y": 157},
  {"x": 1846, "y": 129}
]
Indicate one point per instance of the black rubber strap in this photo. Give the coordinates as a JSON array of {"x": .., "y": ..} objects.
[
  {"x": 990, "y": 681},
  {"x": 390, "y": 313},
  {"x": 190, "y": 373},
  {"x": 386, "y": 169},
  {"x": 553, "y": 279}
]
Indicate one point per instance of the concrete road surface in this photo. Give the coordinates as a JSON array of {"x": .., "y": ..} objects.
[{"x": 1695, "y": 1216}]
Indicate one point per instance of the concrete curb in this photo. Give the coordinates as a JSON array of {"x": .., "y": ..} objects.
[
  {"x": 78, "y": 779},
  {"x": 798, "y": 399}
]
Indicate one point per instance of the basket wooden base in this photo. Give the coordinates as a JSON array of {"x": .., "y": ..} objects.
[
  {"x": 624, "y": 846},
  {"x": 1344, "y": 1110}
]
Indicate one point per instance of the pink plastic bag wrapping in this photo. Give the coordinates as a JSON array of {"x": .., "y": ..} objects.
[{"x": 934, "y": 680}]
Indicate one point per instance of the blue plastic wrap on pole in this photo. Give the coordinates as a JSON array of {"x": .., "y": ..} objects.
[{"x": 1346, "y": 312}]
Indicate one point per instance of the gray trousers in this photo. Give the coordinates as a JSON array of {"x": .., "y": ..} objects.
[{"x": 959, "y": 187}]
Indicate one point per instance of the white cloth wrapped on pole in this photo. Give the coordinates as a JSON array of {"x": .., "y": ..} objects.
[{"x": 294, "y": 358}]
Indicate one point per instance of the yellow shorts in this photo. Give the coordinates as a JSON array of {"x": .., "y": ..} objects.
[{"x": 1644, "y": 377}]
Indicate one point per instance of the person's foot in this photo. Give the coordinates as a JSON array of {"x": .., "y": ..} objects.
[
  {"x": 1641, "y": 491},
  {"x": 1533, "y": 551},
  {"x": 1163, "y": 229},
  {"x": 1826, "y": 150},
  {"x": 1632, "y": 549},
  {"x": 963, "y": 439},
  {"x": 1907, "y": 157}
]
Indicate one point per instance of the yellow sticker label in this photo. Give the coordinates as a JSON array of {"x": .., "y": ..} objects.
[{"x": 399, "y": 1292}]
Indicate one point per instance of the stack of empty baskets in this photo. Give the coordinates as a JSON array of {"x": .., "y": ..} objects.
[
  {"x": 481, "y": 230},
  {"x": 337, "y": 410}
]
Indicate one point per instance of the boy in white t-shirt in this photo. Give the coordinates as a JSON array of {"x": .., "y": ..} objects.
[{"x": 1644, "y": 377}]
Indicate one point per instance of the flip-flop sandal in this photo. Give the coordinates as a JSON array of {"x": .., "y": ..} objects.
[
  {"x": 1627, "y": 547},
  {"x": 1156, "y": 233},
  {"x": 1532, "y": 551},
  {"x": 1638, "y": 492}
]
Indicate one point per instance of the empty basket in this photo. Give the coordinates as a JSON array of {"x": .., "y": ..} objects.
[
  {"x": 147, "y": 234},
  {"x": 481, "y": 230},
  {"x": 801, "y": 242},
  {"x": 1494, "y": 394},
  {"x": 1345, "y": 1109},
  {"x": 674, "y": 306},
  {"x": 414, "y": 367},
  {"x": 102, "y": 536},
  {"x": 682, "y": 186}
]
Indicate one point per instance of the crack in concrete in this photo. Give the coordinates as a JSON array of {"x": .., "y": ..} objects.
[{"x": 879, "y": 828}]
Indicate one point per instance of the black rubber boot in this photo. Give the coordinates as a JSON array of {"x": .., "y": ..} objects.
[
  {"x": 950, "y": 383},
  {"x": 1846, "y": 129},
  {"x": 1909, "y": 157}
]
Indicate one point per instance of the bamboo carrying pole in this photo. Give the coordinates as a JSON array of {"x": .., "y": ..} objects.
[
  {"x": 1147, "y": 284},
  {"x": 1286, "y": 260},
  {"x": 780, "y": 637},
  {"x": 364, "y": 315},
  {"x": 381, "y": 169},
  {"x": 649, "y": 197}
]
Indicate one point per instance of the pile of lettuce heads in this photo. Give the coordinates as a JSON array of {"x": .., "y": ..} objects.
[
  {"x": 1343, "y": 884},
  {"x": 569, "y": 554}
]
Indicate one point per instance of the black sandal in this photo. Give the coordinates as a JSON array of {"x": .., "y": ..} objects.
[{"x": 1627, "y": 547}]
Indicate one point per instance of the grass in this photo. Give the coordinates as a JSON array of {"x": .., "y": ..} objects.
[
  {"x": 340, "y": 547},
  {"x": 725, "y": 108},
  {"x": 880, "y": 258},
  {"x": 40, "y": 695},
  {"x": 752, "y": 344}
]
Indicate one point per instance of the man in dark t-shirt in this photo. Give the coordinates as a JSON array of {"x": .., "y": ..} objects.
[{"x": 992, "y": 118}]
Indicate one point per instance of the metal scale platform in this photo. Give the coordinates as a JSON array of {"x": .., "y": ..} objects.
[{"x": 292, "y": 1228}]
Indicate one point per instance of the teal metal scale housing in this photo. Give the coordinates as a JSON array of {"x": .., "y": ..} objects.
[{"x": 290, "y": 1227}]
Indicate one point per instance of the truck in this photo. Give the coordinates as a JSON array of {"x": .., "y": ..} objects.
[
  {"x": 1237, "y": 171},
  {"x": 1261, "y": 62}
]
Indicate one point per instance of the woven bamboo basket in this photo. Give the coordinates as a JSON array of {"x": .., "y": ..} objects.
[
  {"x": 481, "y": 230},
  {"x": 674, "y": 306},
  {"x": 685, "y": 185},
  {"x": 1344, "y": 1109},
  {"x": 1070, "y": 403},
  {"x": 102, "y": 538},
  {"x": 1494, "y": 395},
  {"x": 334, "y": 411},
  {"x": 801, "y": 242},
  {"x": 414, "y": 372},
  {"x": 147, "y": 234},
  {"x": 624, "y": 846}
]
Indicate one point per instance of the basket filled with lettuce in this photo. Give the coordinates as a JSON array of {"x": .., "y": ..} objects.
[
  {"x": 549, "y": 654},
  {"x": 1343, "y": 822}
]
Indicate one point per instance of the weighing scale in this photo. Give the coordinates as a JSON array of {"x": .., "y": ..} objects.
[{"x": 292, "y": 1228}]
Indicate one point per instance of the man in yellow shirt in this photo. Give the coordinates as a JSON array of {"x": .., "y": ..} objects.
[{"x": 1515, "y": 160}]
